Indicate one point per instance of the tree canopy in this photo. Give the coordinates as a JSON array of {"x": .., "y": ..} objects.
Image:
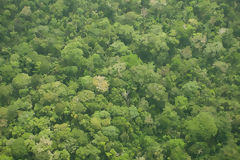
[{"x": 119, "y": 79}]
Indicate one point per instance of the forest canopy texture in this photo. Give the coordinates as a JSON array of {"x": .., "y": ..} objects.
[{"x": 119, "y": 79}]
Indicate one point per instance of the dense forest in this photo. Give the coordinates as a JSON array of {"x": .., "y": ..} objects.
[{"x": 119, "y": 79}]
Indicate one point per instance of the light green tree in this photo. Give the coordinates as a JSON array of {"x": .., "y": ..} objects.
[
  {"x": 202, "y": 127},
  {"x": 21, "y": 80}
]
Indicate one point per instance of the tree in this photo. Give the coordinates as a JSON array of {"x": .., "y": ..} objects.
[
  {"x": 61, "y": 135},
  {"x": 88, "y": 152},
  {"x": 199, "y": 149},
  {"x": 133, "y": 112},
  {"x": 5, "y": 93},
  {"x": 61, "y": 155},
  {"x": 229, "y": 151},
  {"x": 124, "y": 32},
  {"x": 6, "y": 157},
  {"x": 72, "y": 53},
  {"x": 100, "y": 119},
  {"x": 58, "y": 8},
  {"x": 221, "y": 66},
  {"x": 130, "y": 18},
  {"x": 80, "y": 136},
  {"x": 18, "y": 148},
  {"x": 176, "y": 148},
  {"x": 85, "y": 96},
  {"x": 152, "y": 149},
  {"x": 100, "y": 83},
  {"x": 131, "y": 60},
  {"x": 21, "y": 80},
  {"x": 8, "y": 72},
  {"x": 213, "y": 51},
  {"x": 119, "y": 79},
  {"x": 143, "y": 74},
  {"x": 181, "y": 104},
  {"x": 168, "y": 120},
  {"x": 156, "y": 91},
  {"x": 100, "y": 32},
  {"x": 59, "y": 108},
  {"x": 118, "y": 48},
  {"x": 111, "y": 131},
  {"x": 3, "y": 119},
  {"x": 42, "y": 149},
  {"x": 86, "y": 82},
  {"x": 202, "y": 127},
  {"x": 191, "y": 89},
  {"x": 117, "y": 96},
  {"x": 153, "y": 47},
  {"x": 49, "y": 92}
]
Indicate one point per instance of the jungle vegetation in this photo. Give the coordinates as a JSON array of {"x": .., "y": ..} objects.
[{"x": 119, "y": 79}]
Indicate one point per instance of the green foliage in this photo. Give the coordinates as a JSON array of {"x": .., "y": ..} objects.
[
  {"x": 118, "y": 48},
  {"x": 176, "y": 147},
  {"x": 88, "y": 152},
  {"x": 21, "y": 80},
  {"x": 156, "y": 92},
  {"x": 181, "y": 102},
  {"x": 85, "y": 96},
  {"x": 59, "y": 108},
  {"x": 153, "y": 45},
  {"x": 124, "y": 32},
  {"x": 143, "y": 74},
  {"x": 72, "y": 53},
  {"x": 202, "y": 127},
  {"x": 86, "y": 82},
  {"x": 199, "y": 149},
  {"x": 42, "y": 149},
  {"x": 18, "y": 148},
  {"x": 129, "y": 18},
  {"x": 49, "y": 92},
  {"x": 131, "y": 60},
  {"x": 5, "y": 93},
  {"x": 61, "y": 155},
  {"x": 168, "y": 119},
  {"x": 111, "y": 132},
  {"x": 5, "y": 157},
  {"x": 191, "y": 89},
  {"x": 119, "y": 79},
  {"x": 153, "y": 149},
  {"x": 80, "y": 136},
  {"x": 230, "y": 151}
]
